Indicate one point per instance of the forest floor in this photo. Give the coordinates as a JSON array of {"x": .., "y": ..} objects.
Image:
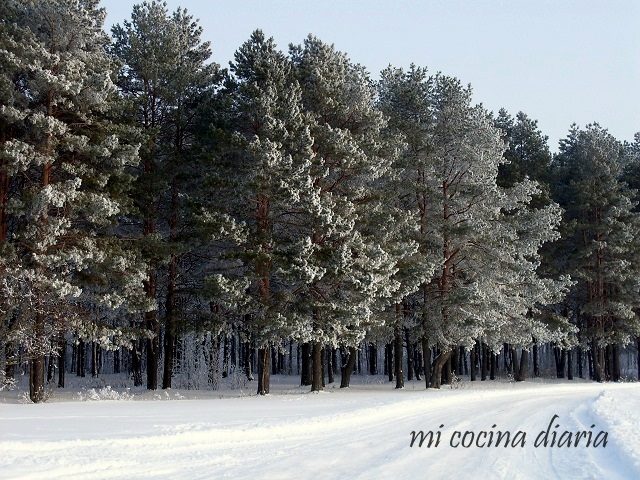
[{"x": 362, "y": 432}]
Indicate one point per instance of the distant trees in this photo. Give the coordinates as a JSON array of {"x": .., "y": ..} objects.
[
  {"x": 600, "y": 243},
  {"x": 150, "y": 199}
]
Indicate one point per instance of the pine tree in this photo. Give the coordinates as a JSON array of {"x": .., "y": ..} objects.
[
  {"x": 263, "y": 174},
  {"x": 351, "y": 229},
  {"x": 71, "y": 163},
  {"x": 164, "y": 76},
  {"x": 483, "y": 238}
]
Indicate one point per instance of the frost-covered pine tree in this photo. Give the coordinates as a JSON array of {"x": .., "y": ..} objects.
[
  {"x": 164, "y": 76},
  {"x": 599, "y": 247},
  {"x": 57, "y": 137},
  {"x": 351, "y": 230},
  {"x": 263, "y": 174},
  {"x": 483, "y": 238}
]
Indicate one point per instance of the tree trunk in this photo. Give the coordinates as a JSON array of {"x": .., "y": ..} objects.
[
  {"x": 615, "y": 367},
  {"x": 62, "y": 353},
  {"x": 494, "y": 366},
  {"x": 638, "y": 359},
  {"x": 331, "y": 365},
  {"x": 483, "y": 358},
  {"x": 410, "y": 356},
  {"x": 151, "y": 320},
  {"x": 94, "y": 359},
  {"x": 426, "y": 358},
  {"x": 347, "y": 367},
  {"x": 520, "y": 368},
  {"x": 598, "y": 368},
  {"x": 447, "y": 371},
  {"x": 472, "y": 363},
  {"x": 570, "y": 365},
  {"x": 438, "y": 364},
  {"x": 317, "y": 376},
  {"x": 136, "y": 363},
  {"x": 390, "y": 365},
  {"x": 169, "y": 340},
  {"x": 398, "y": 348},
  {"x": 417, "y": 362},
  {"x": 306, "y": 374},
  {"x": 560, "y": 356},
  {"x": 264, "y": 370},
  {"x": 536, "y": 366},
  {"x": 373, "y": 359}
]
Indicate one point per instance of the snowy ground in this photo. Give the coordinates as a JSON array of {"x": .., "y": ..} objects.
[{"x": 363, "y": 432}]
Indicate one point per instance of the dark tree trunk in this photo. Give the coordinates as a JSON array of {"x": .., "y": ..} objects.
[
  {"x": 331, "y": 365},
  {"x": 347, "y": 367},
  {"x": 94, "y": 359},
  {"x": 171, "y": 301},
  {"x": 438, "y": 365},
  {"x": 455, "y": 360},
  {"x": 152, "y": 352},
  {"x": 580, "y": 356},
  {"x": 560, "y": 356},
  {"x": 51, "y": 367},
  {"x": 597, "y": 358},
  {"x": 536, "y": 366},
  {"x": 506, "y": 359},
  {"x": 616, "y": 373},
  {"x": 317, "y": 377},
  {"x": 570, "y": 365},
  {"x": 472, "y": 362},
  {"x": 62, "y": 353},
  {"x": 494, "y": 366},
  {"x": 520, "y": 368},
  {"x": 373, "y": 359},
  {"x": 36, "y": 379},
  {"x": 306, "y": 374},
  {"x": 10, "y": 367},
  {"x": 116, "y": 361},
  {"x": 248, "y": 360},
  {"x": 82, "y": 359},
  {"x": 426, "y": 358},
  {"x": 136, "y": 363},
  {"x": 638, "y": 359},
  {"x": 390, "y": 365},
  {"x": 417, "y": 362},
  {"x": 398, "y": 351},
  {"x": 447, "y": 371},
  {"x": 410, "y": 355},
  {"x": 483, "y": 358},
  {"x": 264, "y": 370}
]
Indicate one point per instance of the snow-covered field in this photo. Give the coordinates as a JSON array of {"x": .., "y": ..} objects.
[{"x": 363, "y": 432}]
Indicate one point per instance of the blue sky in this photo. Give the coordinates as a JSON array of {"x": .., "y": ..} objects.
[{"x": 559, "y": 61}]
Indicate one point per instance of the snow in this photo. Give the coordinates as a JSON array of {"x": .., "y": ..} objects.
[{"x": 362, "y": 432}]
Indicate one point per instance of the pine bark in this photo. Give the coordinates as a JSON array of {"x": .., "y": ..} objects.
[
  {"x": 36, "y": 365},
  {"x": 306, "y": 373},
  {"x": 317, "y": 376},
  {"x": 426, "y": 358},
  {"x": 439, "y": 363},
  {"x": 347, "y": 368},
  {"x": 264, "y": 370},
  {"x": 398, "y": 347}
]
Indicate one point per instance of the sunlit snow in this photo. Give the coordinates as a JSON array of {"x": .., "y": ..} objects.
[{"x": 361, "y": 432}]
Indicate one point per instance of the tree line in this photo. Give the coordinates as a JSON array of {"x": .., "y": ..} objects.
[{"x": 149, "y": 196}]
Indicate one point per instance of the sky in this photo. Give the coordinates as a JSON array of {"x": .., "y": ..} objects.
[{"x": 559, "y": 61}]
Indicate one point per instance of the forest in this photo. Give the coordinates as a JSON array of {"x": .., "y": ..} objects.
[{"x": 181, "y": 222}]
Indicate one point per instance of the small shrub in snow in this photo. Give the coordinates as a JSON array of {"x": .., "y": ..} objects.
[{"x": 105, "y": 393}]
